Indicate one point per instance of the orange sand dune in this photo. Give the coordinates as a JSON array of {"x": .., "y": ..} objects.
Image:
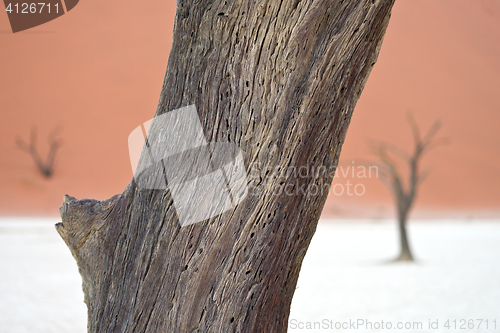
[
  {"x": 440, "y": 59},
  {"x": 96, "y": 72}
]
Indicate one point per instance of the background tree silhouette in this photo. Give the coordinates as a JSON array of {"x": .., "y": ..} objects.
[
  {"x": 46, "y": 167},
  {"x": 405, "y": 195}
]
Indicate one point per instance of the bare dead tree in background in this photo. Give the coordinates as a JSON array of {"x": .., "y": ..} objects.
[
  {"x": 280, "y": 80},
  {"x": 404, "y": 195},
  {"x": 46, "y": 167}
]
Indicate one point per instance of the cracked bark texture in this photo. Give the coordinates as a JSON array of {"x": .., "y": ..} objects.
[{"x": 278, "y": 78}]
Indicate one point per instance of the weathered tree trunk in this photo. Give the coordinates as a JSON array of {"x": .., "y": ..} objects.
[{"x": 278, "y": 78}]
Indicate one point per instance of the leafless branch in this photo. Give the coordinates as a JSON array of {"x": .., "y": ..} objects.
[
  {"x": 414, "y": 127},
  {"x": 384, "y": 150},
  {"x": 393, "y": 149}
]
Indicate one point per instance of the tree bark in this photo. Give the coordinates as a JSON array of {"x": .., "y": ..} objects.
[{"x": 278, "y": 78}]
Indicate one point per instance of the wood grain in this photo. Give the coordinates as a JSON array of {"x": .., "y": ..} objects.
[{"x": 278, "y": 78}]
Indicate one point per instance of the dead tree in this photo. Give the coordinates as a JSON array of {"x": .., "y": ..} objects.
[
  {"x": 46, "y": 167},
  {"x": 279, "y": 79},
  {"x": 405, "y": 195}
]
